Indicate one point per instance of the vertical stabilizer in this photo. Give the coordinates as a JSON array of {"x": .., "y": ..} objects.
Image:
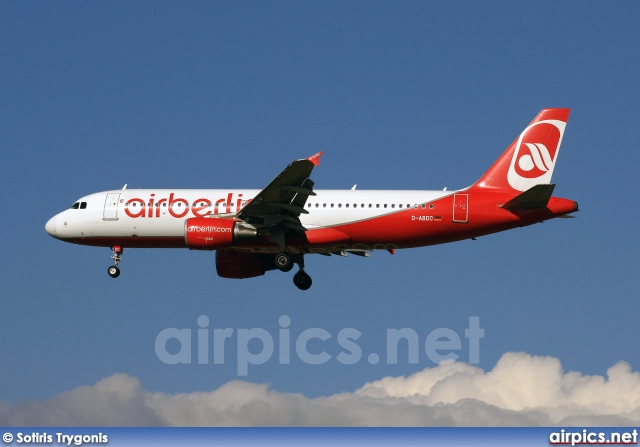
[{"x": 530, "y": 159}]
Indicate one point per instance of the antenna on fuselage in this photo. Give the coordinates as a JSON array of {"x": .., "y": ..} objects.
[
  {"x": 354, "y": 187},
  {"x": 125, "y": 186}
]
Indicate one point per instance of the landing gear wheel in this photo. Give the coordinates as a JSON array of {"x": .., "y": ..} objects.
[
  {"x": 114, "y": 271},
  {"x": 302, "y": 280},
  {"x": 283, "y": 262},
  {"x": 287, "y": 269}
]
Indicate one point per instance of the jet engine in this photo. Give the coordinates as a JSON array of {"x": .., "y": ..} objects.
[{"x": 202, "y": 233}]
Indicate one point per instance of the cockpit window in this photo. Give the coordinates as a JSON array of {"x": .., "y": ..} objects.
[
  {"x": 75, "y": 206},
  {"x": 83, "y": 205}
]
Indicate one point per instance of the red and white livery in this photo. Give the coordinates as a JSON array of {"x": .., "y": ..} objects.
[{"x": 254, "y": 231}]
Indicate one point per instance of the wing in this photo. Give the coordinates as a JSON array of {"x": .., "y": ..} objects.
[{"x": 280, "y": 203}]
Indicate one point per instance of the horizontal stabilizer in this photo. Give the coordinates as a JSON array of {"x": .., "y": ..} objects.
[{"x": 535, "y": 197}]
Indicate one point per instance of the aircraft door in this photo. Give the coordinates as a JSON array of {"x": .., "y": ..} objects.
[
  {"x": 111, "y": 207},
  {"x": 461, "y": 208}
]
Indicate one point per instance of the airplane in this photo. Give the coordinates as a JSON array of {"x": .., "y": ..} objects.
[{"x": 255, "y": 231}]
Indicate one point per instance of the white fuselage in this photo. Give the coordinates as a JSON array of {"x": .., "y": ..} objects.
[{"x": 162, "y": 212}]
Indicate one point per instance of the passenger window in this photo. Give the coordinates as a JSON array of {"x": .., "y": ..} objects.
[
  {"x": 393, "y": 205},
  {"x": 324, "y": 205},
  {"x": 377, "y": 205},
  {"x": 347, "y": 205},
  {"x": 83, "y": 205},
  {"x": 339, "y": 205},
  {"x": 385, "y": 205},
  {"x": 424, "y": 206},
  {"x": 431, "y": 206},
  {"x": 332, "y": 205}
]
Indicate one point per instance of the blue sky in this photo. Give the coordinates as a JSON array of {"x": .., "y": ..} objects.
[{"x": 399, "y": 95}]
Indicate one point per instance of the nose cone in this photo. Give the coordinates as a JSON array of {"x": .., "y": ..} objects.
[{"x": 51, "y": 227}]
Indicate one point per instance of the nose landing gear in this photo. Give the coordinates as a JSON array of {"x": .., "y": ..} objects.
[{"x": 113, "y": 270}]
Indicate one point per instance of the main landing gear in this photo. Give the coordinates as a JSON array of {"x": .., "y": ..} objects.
[
  {"x": 114, "y": 271},
  {"x": 302, "y": 280},
  {"x": 284, "y": 263}
]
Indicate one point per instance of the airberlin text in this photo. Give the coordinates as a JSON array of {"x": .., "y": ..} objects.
[
  {"x": 179, "y": 207},
  {"x": 207, "y": 229}
]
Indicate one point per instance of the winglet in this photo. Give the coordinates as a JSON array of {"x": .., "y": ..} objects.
[{"x": 315, "y": 159}]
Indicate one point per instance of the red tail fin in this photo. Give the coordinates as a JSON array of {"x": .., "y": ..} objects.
[{"x": 530, "y": 159}]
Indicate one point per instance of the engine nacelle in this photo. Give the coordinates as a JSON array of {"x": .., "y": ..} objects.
[
  {"x": 233, "y": 264},
  {"x": 202, "y": 233}
]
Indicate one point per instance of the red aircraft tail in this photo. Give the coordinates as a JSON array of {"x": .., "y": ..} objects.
[{"x": 530, "y": 159}]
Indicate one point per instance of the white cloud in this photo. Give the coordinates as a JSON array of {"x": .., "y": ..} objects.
[{"x": 520, "y": 390}]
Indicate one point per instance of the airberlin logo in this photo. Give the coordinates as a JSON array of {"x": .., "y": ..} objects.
[
  {"x": 179, "y": 207},
  {"x": 535, "y": 154},
  {"x": 539, "y": 159}
]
